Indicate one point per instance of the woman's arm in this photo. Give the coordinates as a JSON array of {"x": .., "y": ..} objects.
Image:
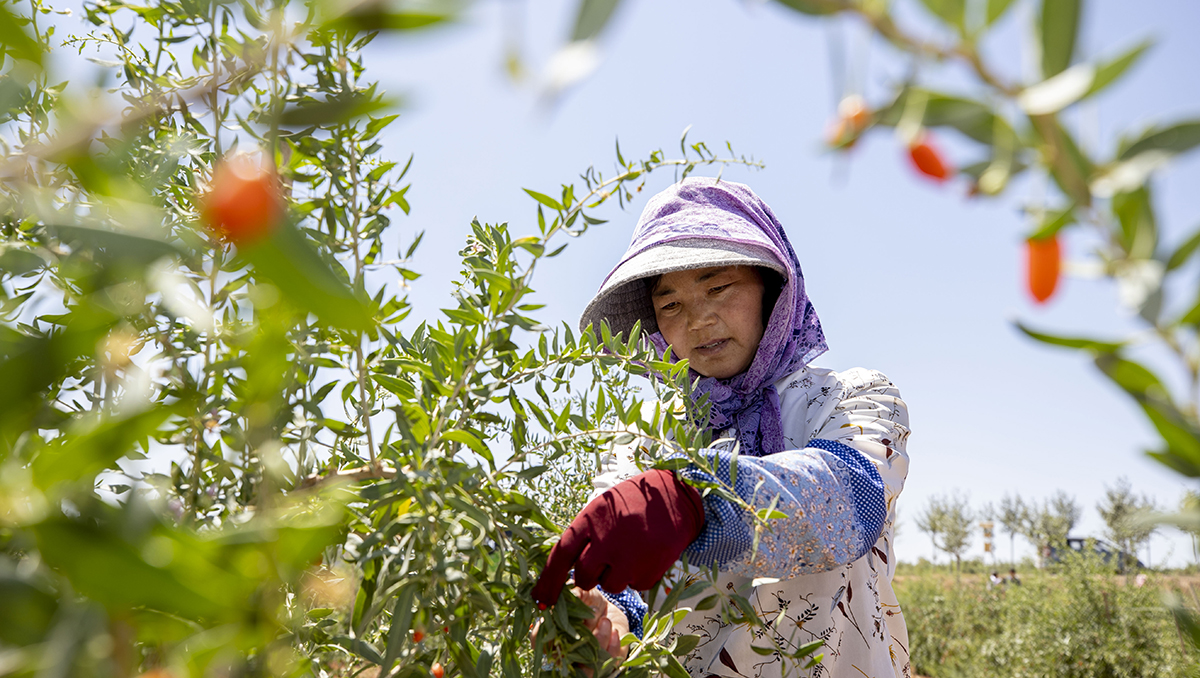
[{"x": 837, "y": 492}]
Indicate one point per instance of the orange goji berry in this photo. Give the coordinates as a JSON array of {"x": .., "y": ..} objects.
[
  {"x": 839, "y": 135},
  {"x": 244, "y": 202},
  {"x": 1043, "y": 263},
  {"x": 418, "y": 636},
  {"x": 927, "y": 159},
  {"x": 437, "y": 670},
  {"x": 853, "y": 110}
]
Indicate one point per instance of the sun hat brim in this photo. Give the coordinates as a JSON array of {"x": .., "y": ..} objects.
[{"x": 624, "y": 298}]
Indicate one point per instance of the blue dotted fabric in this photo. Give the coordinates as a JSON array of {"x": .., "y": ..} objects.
[
  {"x": 833, "y": 497},
  {"x": 631, "y": 604},
  {"x": 866, "y": 486},
  {"x": 727, "y": 529}
]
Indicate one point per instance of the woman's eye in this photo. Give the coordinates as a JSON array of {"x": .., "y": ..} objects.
[
  {"x": 718, "y": 288},
  {"x": 670, "y": 306}
]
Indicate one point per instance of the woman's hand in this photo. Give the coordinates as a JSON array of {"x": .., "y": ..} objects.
[{"x": 609, "y": 624}]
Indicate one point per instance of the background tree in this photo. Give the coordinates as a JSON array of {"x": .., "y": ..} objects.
[
  {"x": 930, "y": 520},
  {"x": 949, "y": 522},
  {"x": 1064, "y": 512},
  {"x": 1012, "y": 515},
  {"x": 1048, "y": 525},
  {"x": 1126, "y": 518},
  {"x": 1189, "y": 503}
]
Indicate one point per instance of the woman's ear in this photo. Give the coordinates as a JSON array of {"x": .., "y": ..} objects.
[{"x": 772, "y": 287}]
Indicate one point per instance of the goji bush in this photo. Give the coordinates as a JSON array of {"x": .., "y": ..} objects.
[{"x": 199, "y": 283}]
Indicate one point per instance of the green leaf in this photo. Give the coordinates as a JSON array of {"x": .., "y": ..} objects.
[
  {"x": 27, "y": 612},
  {"x": 15, "y": 261},
  {"x": 291, "y": 262},
  {"x": 1093, "y": 345},
  {"x": 545, "y": 200},
  {"x": 814, "y": 7},
  {"x": 1109, "y": 71},
  {"x": 1186, "y": 621},
  {"x": 1178, "y": 138},
  {"x": 1176, "y": 463},
  {"x": 115, "y": 245},
  {"x": 685, "y": 644},
  {"x": 996, "y": 9},
  {"x": 467, "y": 438},
  {"x": 400, "y": 387},
  {"x": 93, "y": 446},
  {"x": 1134, "y": 378},
  {"x": 15, "y": 41},
  {"x": 109, "y": 570},
  {"x": 1184, "y": 252},
  {"x": 32, "y": 363},
  {"x": 1059, "y": 28},
  {"x": 332, "y": 110},
  {"x": 1052, "y": 222},
  {"x": 950, "y": 11},
  {"x": 375, "y": 16},
  {"x": 402, "y": 614},
  {"x": 592, "y": 17},
  {"x": 673, "y": 669},
  {"x": 1139, "y": 228},
  {"x": 974, "y": 119},
  {"x": 1069, "y": 167}
]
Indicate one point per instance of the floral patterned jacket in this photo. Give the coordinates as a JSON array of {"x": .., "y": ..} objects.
[{"x": 832, "y": 555}]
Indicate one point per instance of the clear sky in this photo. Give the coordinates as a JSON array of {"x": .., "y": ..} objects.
[{"x": 909, "y": 277}]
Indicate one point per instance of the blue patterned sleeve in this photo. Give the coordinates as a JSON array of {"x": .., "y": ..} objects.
[
  {"x": 833, "y": 498},
  {"x": 631, "y": 604}
]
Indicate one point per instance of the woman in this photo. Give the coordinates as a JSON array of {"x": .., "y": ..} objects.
[{"x": 710, "y": 273}]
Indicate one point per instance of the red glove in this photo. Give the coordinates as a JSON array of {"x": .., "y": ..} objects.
[{"x": 628, "y": 536}]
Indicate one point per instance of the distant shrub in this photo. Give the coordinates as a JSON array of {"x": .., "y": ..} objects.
[{"x": 1076, "y": 621}]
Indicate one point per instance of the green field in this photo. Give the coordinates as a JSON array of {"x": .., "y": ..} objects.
[{"x": 1076, "y": 619}]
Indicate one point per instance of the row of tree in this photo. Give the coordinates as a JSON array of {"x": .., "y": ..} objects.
[{"x": 951, "y": 522}]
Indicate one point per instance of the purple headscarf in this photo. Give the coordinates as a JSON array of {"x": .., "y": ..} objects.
[{"x": 732, "y": 213}]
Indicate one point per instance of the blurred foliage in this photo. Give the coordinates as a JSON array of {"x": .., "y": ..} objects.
[
  {"x": 222, "y": 459},
  {"x": 1077, "y": 619}
]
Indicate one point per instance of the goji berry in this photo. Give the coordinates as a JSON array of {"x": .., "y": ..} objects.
[
  {"x": 418, "y": 636},
  {"x": 1043, "y": 263},
  {"x": 853, "y": 110},
  {"x": 437, "y": 670},
  {"x": 244, "y": 202},
  {"x": 927, "y": 159}
]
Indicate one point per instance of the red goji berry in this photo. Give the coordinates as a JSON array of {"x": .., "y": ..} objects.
[
  {"x": 244, "y": 202},
  {"x": 1043, "y": 264},
  {"x": 927, "y": 159}
]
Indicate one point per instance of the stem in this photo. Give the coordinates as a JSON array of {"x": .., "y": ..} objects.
[
  {"x": 882, "y": 24},
  {"x": 355, "y": 224},
  {"x": 216, "y": 86}
]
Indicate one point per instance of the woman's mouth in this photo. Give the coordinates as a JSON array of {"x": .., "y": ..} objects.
[{"x": 711, "y": 347}]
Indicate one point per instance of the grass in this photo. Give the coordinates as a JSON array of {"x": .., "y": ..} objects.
[{"x": 1075, "y": 620}]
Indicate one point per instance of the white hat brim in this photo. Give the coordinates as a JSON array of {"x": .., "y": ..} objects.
[{"x": 624, "y": 298}]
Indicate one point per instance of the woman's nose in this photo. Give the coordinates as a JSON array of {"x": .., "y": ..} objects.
[{"x": 700, "y": 318}]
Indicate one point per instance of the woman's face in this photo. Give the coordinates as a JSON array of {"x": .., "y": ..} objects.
[{"x": 713, "y": 317}]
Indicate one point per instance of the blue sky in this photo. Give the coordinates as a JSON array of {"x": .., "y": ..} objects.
[{"x": 909, "y": 277}]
